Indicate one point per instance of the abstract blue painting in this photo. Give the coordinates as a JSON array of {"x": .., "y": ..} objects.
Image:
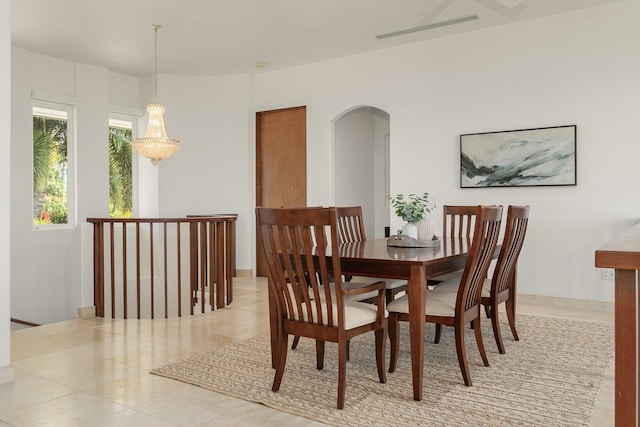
[{"x": 519, "y": 158}]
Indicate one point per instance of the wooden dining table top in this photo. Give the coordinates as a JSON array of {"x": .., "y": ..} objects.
[{"x": 375, "y": 258}]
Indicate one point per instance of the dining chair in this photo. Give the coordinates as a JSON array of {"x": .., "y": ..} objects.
[
  {"x": 351, "y": 230},
  {"x": 458, "y": 221},
  {"x": 501, "y": 288},
  {"x": 460, "y": 308},
  {"x": 302, "y": 252},
  {"x": 457, "y": 225}
]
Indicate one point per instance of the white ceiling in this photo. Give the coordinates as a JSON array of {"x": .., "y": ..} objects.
[{"x": 231, "y": 36}]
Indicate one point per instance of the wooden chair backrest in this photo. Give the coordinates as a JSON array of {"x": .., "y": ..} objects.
[
  {"x": 295, "y": 243},
  {"x": 458, "y": 221},
  {"x": 350, "y": 224},
  {"x": 483, "y": 246},
  {"x": 515, "y": 231}
]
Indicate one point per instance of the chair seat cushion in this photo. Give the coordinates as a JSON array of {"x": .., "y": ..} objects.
[
  {"x": 441, "y": 304},
  {"x": 486, "y": 288},
  {"x": 452, "y": 286},
  {"x": 350, "y": 285},
  {"x": 391, "y": 283},
  {"x": 454, "y": 275},
  {"x": 355, "y": 313}
]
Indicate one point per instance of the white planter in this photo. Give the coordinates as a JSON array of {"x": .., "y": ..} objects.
[
  {"x": 426, "y": 228},
  {"x": 410, "y": 229}
]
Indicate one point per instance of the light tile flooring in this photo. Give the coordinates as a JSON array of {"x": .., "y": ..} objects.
[{"x": 96, "y": 372}]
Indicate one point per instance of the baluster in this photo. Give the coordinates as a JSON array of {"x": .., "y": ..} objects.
[
  {"x": 193, "y": 256},
  {"x": 98, "y": 268},
  {"x": 166, "y": 279},
  {"x": 203, "y": 263},
  {"x": 230, "y": 258},
  {"x": 124, "y": 269},
  {"x": 152, "y": 281},
  {"x": 179, "y": 271},
  {"x": 219, "y": 263},
  {"x": 112, "y": 259},
  {"x": 138, "y": 268},
  {"x": 213, "y": 275}
]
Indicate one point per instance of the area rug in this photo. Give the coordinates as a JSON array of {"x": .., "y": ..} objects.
[{"x": 551, "y": 377}]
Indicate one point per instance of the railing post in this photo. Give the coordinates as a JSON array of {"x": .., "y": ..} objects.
[
  {"x": 98, "y": 268},
  {"x": 193, "y": 263},
  {"x": 203, "y": 264},
  {"x": 220, "y": 264},
  {"x": 231, "y": 257}
]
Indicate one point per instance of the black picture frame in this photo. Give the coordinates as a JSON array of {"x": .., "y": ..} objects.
[{"x": 519, "y": 158}]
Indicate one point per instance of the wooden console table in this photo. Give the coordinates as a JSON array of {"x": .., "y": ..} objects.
[{"x": 623, "y": 255}]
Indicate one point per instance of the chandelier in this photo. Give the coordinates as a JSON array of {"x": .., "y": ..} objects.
[{"x": 155, "y": 144}]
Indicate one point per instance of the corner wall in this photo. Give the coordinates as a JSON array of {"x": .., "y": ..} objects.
[
  {"x": 47, "y": 276},
  {"x": 6, "y": 371}
]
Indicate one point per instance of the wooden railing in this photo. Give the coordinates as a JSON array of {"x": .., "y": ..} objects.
[
  {"x": 162, "y": 267},
  {"x": 623, "y": 255}
]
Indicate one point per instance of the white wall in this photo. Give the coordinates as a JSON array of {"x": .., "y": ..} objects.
[
  {"x": 6, "y": 371},
  {"x": 359, "y": 164},
  {"x": 562, "y": 70},
  {"x": 353, "y": 159},
  {"x": 213, "y": 170},
  {"x": 380, "y": 175}
]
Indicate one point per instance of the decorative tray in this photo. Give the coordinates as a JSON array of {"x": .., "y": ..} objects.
[{"x": 409, "y": 242}]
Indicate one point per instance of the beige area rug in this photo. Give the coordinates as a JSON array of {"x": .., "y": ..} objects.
[{"x": 551, "y": 377}]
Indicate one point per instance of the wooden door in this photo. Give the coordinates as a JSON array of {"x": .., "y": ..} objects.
[{"x": 281, "y": 163}]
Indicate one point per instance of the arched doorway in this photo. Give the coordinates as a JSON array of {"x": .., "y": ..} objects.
[{"x": 361, "y": 165}]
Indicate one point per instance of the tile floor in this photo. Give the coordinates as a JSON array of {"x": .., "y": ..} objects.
[{"x": 96, "y": 372}]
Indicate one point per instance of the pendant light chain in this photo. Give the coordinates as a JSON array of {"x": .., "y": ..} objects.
[{"x": 155, "y": 62}]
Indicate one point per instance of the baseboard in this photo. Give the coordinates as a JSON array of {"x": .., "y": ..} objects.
[
  {"x": 244, "y": 273},
  {"x": 6, "y": 374},
  {"x": 87, "y": 312},
  {"x": 573, "y": 303}
]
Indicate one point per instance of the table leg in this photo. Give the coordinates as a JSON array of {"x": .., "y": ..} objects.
[
  {"x": 417, "y": 300},
  {"x": 626, "y": 379}
]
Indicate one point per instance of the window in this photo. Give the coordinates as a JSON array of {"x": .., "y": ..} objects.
[
  {"x": 52, "y": 150},
  {"x": 120, "y": 168}
]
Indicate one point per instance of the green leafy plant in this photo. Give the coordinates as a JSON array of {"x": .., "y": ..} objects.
[
  {"x": 50, "y": 203},
  {"x": 411, "y": 208},
  {"x": 120, "y": 175}
]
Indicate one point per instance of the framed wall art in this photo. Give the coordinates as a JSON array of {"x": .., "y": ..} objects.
[{"x": 519, "y": 158}]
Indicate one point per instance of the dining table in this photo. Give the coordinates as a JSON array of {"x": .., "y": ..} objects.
[{"x": 374, "y": 258}]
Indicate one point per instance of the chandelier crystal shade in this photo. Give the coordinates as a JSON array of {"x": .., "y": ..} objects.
[{"x": 155, "y": 144}]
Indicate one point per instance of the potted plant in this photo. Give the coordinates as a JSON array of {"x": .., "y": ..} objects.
[{"x": 412, "y": 209}]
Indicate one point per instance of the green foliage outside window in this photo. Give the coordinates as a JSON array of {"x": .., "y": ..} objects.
[
  {"x": 50, "y": 198},
  {"x": 120, "y": 175},
  {"x": 50, "y": 190}
]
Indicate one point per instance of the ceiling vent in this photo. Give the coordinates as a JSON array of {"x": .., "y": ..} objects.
[{"x": 428, "y": 27}]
